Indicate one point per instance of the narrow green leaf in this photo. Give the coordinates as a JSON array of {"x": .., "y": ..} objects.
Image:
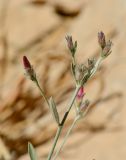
[
  {"x": 54, "y": 110},
  {"x": 31, "y": 151}
]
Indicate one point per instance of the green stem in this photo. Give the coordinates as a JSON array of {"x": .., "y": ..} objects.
[
  {"x": 42, "y": 92},
  {"x": 55, "y": 142},
  {"x": 70, "y": 105},
  {"x": 62, "y": 123},
  {"x": 73, "y": 59},
  {"x": 79, "y": 116},
  {"x": 66, "y": 137},
  {"x": 96, "y": 66}
]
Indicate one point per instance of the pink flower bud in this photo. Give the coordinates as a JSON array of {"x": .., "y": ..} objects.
[
  {"x": 69, "y": 42},
  {"x": 29, "y": 69},
  {"x": 101, "y": 39},
  {"x": 72, "y": 46},
  {"x": 80, "y": 93},
  {"x": 26, "y": 63}
]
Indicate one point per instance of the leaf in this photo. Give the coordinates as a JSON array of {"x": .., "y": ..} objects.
[
  {"x": 54, "y": 110},
  {"x": 31, "y": 151}
]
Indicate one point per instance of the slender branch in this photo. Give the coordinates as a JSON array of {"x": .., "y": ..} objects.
[
  {"x": 78, "y": 117},
  {"x": 41, "y": 91},
  {"x": 66, "y": 137},
  {"x": 55, "y": 142},
  {"x": 62, "y": 123},
  {"x": 71, "y": 104},
  {"x": 96, "y": 66},
  {"x": 73, "y": 60}
]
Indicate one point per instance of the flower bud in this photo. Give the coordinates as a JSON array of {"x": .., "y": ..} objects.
[
  {"x": 91, "y": 63},
  {"x": 29, "y": 69},
  {"x": 69, "y": 42},
  {"x": 72, "y": 46},
  {"x": 107, "y": 49},
  {"x": 26, "y": 63},
  {"x": 80, "y": 72},
  {"x": 84, "y": 106},
  {"x": 101, "y": 39},
  {"x": 80, "y": 93}
]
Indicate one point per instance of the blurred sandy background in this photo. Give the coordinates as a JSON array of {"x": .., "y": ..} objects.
[{"x": 37, "y": 29}]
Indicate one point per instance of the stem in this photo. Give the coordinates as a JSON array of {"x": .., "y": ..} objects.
[
  {"x": 70, "y": 105},
  {"x": 66, "y": 137},
  {"x": 73, "y": 59},
  {"x": 55, "y": 142},
  {"x": 96, "y": 66},
  {"x": 62, "y": 123},
  {"x": 42, "y": 92},
  {"x": 69, "y": 131}
]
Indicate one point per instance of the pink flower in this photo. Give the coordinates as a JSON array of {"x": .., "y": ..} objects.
[
  {"x": 29, "y": 69},
  {"x": 80, "y": 93},
  {"x": 26, "y": 63}
]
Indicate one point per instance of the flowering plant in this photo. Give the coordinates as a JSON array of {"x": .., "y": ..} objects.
[{"x": 81, "y": 74}]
